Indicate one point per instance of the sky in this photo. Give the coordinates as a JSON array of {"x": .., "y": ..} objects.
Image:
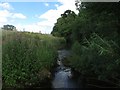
[{"x": 34, "y": 16}]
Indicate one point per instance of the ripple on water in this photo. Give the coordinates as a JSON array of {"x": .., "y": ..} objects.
[{"x": 63, "y": 74}]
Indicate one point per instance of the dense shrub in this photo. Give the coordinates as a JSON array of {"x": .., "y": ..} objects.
[{"x": 99, "y": 58}]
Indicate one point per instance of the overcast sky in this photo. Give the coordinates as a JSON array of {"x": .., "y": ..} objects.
[{"x": 34, "y": 16}]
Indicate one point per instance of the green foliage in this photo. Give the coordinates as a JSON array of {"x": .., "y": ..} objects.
[
  {"x": 99, "y": 58},
  {"x": 27, "y": 58},
  {"x": 94, "y": 37},
  {"x": 63, "y": 27}
]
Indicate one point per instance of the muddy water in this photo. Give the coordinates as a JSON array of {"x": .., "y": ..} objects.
[{"x": 63, "y": 75}]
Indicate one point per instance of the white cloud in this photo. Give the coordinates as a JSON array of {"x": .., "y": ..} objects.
[
  {"x": 18, "y": 15},
  {"x": 56, "y": 5},
  {"x": 46, "y": 4},
  {"x": 7, "y": 16},
  {"x": 4, "y": 15},
  {"x": 3, "y": 20},
  {"x": 45, "y": 23},
  {"x": 6, "y": 6},
  {"x": 48, "y": 18},
  {"x": 34, "y": 28},
  {"x": 52, "y": 15}
]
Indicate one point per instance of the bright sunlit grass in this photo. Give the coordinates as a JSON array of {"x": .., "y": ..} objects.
[{"x": 25, "y": 56}]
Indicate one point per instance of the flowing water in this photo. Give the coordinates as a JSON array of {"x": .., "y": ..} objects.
[{"x": 63, "y": 75}]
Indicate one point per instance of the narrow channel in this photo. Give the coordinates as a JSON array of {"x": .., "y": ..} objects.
[{"x": 63, "y": 75}]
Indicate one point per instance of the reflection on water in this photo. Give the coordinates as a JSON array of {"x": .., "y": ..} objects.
[{"x": 63, "y": 75}]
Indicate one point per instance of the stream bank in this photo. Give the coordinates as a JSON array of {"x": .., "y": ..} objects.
[{"x": 66, "y": 77}]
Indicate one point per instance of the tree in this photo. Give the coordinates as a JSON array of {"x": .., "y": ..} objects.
[
  {"x": 9, "y": 27},
  {"x": 63, "y": 27}
]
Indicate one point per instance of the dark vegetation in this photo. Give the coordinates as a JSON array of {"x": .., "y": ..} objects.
[
  {"x": 9, "y": 27},
  {"x": 94, "y": 38}
]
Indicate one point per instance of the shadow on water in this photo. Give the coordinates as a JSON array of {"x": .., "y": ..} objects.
[{"x": 63, "y": 75}]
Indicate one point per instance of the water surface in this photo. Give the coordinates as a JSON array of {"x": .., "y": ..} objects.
[{"x": 63, "y": 75}]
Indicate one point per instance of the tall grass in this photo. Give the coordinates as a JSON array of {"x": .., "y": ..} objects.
[{"x": 27, "y": 58}]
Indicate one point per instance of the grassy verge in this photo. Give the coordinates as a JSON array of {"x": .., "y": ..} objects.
[{"x": 27, "y": 58}]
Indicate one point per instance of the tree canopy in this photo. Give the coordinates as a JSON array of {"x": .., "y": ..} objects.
[{"x": 9, "y": 27}]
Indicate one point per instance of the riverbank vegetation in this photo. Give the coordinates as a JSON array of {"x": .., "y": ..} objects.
[
  {"x": 94, "y": 38},
  {"x": 27, "y": 58}
]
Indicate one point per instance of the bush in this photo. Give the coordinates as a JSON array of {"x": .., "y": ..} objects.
[{"x": 98, "y": 58}]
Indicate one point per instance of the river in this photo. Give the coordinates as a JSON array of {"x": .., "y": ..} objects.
[{"x": 63, "y": 75}]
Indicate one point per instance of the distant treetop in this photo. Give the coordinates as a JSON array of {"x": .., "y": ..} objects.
[{"x": 9, "y": 27}]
